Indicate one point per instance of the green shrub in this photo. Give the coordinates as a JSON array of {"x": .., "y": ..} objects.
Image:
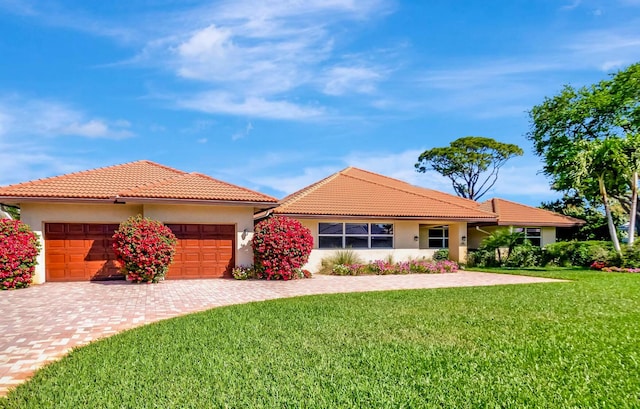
[
  {"x": 340, "y": 257},
  {"x": 630, "y": 256},
  {"x": 342, "y": 270},
  {"x": 482, "y": 258},
  {"x": 524, "y": 255},
  {"x": 243, "y": 272},
  {"x": 579, "y": 253},
  {"x": 442, "y": 254}
]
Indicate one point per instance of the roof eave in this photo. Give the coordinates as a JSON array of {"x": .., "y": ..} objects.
[
  {"x": 143, "y": 200},
  {"x": 342, "y": 216},
  {"x": 47, "y": 199},
  {"x": 133, "y": 200},
  {"x": 547, "y": 224}
]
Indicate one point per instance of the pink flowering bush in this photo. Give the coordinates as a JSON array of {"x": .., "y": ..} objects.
[
  {"x": 19, "y": 248},
  {"x": 144, "y": 248},
  {"x": 281, "y": 246},
  {"x": 381, "y": 267}
]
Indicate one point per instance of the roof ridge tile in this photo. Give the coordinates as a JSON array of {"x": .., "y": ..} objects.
[{"x": 246, "y": 189}]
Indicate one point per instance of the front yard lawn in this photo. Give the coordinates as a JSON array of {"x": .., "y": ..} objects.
[{"x": 554, "y": 345}]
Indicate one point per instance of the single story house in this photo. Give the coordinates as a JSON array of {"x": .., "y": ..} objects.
[
  {"x": 76, "y": 214},
  {"x": 378, "y": 216}
]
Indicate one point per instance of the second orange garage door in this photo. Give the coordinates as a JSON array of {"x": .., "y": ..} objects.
[{"x": 203, "y": 251}]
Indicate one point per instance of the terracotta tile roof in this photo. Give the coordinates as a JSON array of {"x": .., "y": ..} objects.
[
  {"x": 356, "y": 192},
  {"x": 516, "y": 214},
  {"x": 198, "y": 187},
  {"x": 141, "y": 179}
]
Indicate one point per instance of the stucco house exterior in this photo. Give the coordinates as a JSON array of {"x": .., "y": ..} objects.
[
  {"x": 76, "y": 214},
  {"x": 377, "y": 216}
]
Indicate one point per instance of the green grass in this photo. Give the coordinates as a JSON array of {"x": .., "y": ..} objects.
[{"x": 555, "y": 345}]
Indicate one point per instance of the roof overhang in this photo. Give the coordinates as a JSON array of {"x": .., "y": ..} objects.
[
  {"x": 378, "y": 217},
  {"x": 133, "y": 200},
  {"x": 529, "y": 224}
]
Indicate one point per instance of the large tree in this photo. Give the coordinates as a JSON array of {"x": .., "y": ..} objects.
[
  {"x": 471, "y": 163},
  {"x": 589, "y": 139}
]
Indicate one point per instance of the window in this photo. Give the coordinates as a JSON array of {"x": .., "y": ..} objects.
[
  {"x": 355, "y": 235},
  {"x": 533, "y": 234},
  {"x": 439, "y": 237}
]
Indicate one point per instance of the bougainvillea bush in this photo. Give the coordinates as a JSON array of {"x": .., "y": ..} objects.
[
  {"x": 281, "y": 246},
  {"x": 144, "y": 248},
  {"x": 19, "y": 248}
]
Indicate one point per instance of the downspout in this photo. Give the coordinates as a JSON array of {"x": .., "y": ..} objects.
[
  {"x": 483, "y": 231},
  {"x": 264, "y": 216}
]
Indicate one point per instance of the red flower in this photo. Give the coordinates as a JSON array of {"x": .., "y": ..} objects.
[
  {"x": 19, "y": 248},
  {"x": 144, "y": 249},
  {"x": 281, "y": 246}
]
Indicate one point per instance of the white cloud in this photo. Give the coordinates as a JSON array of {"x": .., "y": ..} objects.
[
  {"x": 509, "y": 87},
  {"x": 214, "y": 102},
  {"x": 342, "y": 80},
  {"x": 292, "y": 183},
  {"x": 606, "y": 49},
  {"x": 241, "y": 134},
  {"x": 24, "y": 161},
  {"x": 258, "y": 51},
  {"x": 20, "y": 116},
  {"x": 572, "y": 5}
]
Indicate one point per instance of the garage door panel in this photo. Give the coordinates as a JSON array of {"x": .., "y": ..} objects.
[
  {"x": 203, "y": 251},
  {"x": 80, "y": 252},
  {"x": 75, "y": 229},
  {"x": 56, "y": 244}
]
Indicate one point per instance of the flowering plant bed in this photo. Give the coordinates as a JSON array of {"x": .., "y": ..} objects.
[
  {"x": 249, "y": 273},
  {"x": 381, "y": 267},
  {"x": 620, "y": 270},
  {"x": 19, "y": 248}
]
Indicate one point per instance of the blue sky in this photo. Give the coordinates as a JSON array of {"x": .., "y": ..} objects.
[{"x": 274, "y": 95}]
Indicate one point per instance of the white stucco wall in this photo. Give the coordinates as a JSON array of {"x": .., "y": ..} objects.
[{"x": 37, "y": 214}]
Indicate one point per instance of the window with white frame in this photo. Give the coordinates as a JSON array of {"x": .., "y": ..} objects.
[
  {"x": 533, "y": 234},
  {"x": 355, "y": 235},
  {"x": 439, "y": 237}
]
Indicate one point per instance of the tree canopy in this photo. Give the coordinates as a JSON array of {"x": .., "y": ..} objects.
[
  {"x": 471, "y": 163},
  {"x": 589, "y": 139}
]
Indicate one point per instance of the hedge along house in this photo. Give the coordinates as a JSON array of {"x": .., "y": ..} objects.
[
  {"x": 76, "y": 214},
  {"x": 378, "y": 216}
]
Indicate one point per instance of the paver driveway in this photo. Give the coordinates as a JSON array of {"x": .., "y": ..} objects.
[{"x": 42, "y": 323}]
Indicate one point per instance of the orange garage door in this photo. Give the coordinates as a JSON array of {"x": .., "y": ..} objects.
[
  {"x": 82, "y": 251},
  {"x": 204, "y": 251}
]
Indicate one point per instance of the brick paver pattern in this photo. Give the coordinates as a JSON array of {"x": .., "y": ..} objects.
[{"x": 42, "y": 323}]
